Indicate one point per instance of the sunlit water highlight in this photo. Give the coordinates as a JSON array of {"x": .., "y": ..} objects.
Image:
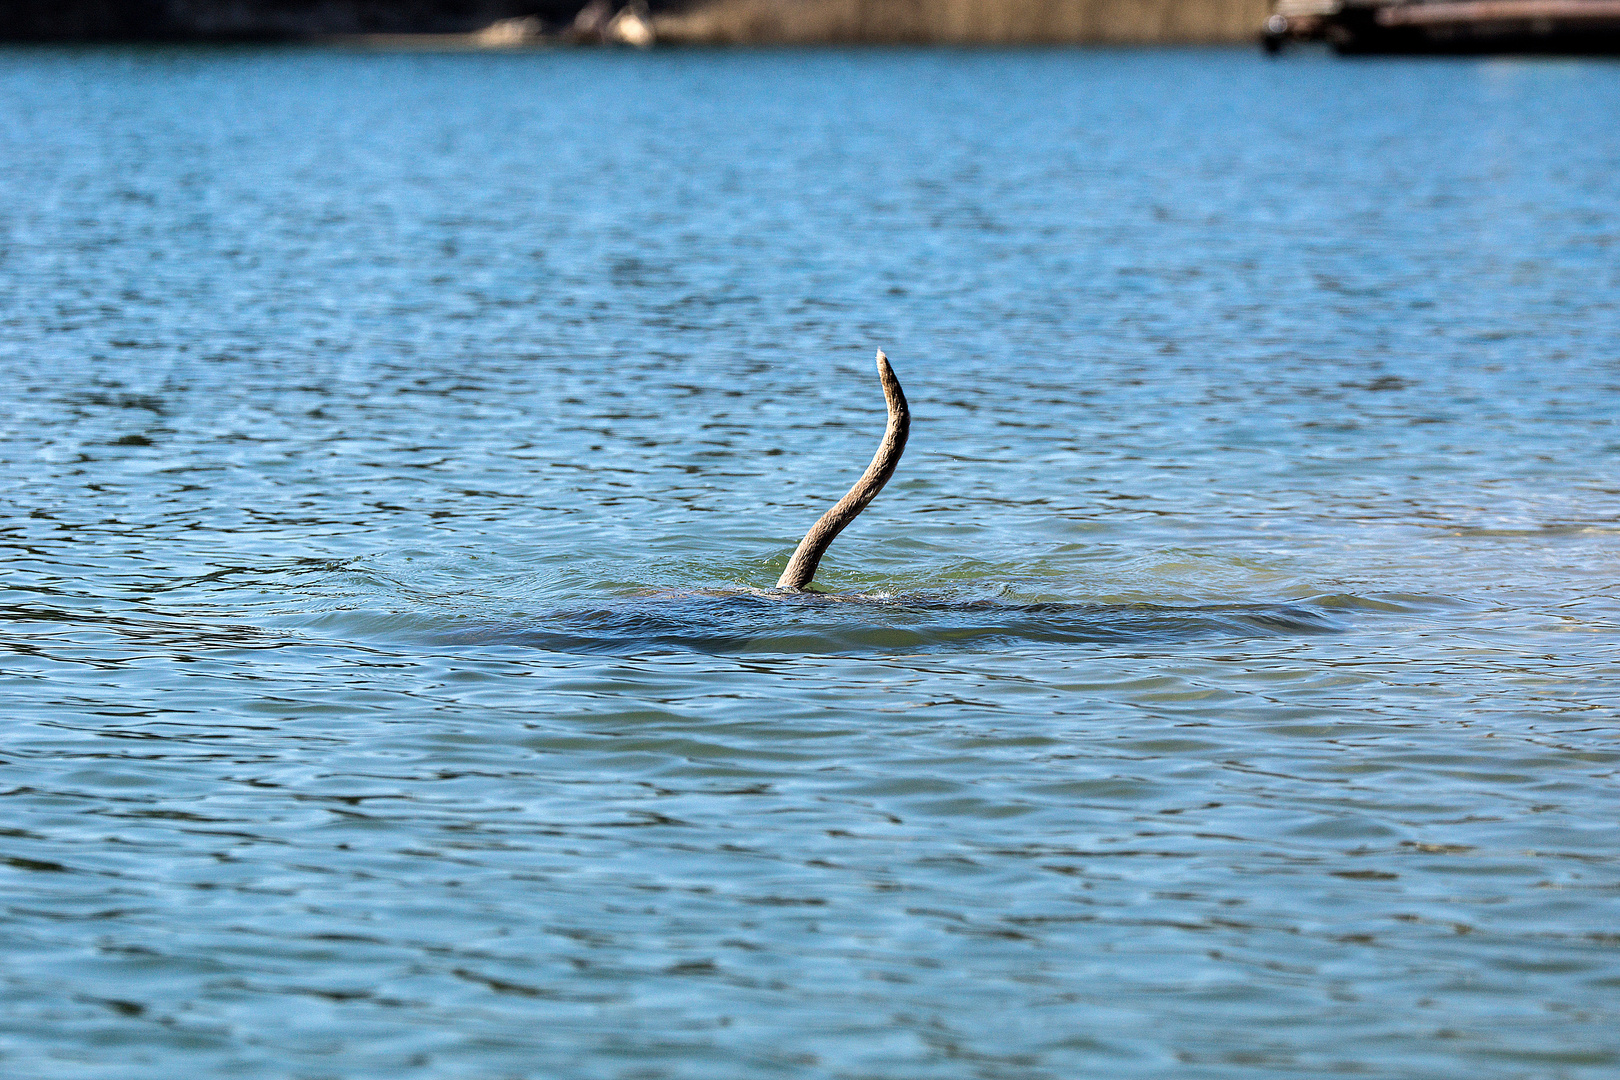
[{"x": 395, "y": 447}]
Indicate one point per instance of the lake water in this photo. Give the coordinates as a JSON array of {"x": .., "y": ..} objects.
[{"x": 390, "y": 442}]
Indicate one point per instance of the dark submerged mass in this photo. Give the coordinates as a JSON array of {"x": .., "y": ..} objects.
[{"x": 813, "y": 624}]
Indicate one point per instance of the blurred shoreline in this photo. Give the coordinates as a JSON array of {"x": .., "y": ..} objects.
[
  {"x": 964, "y": 22},
  {"x": 516, "y": 24}
]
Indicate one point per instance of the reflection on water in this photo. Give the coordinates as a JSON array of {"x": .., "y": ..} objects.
[{"x": 394, "y": 448}]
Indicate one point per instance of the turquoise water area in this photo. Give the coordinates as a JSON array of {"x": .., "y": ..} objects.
[{"x": 389, "y": 443}]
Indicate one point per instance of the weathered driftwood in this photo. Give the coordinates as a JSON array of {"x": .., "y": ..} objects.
[{"x": 807, "y": 556}]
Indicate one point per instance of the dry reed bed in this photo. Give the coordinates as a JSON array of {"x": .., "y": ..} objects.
[{"x": 963, "y": 22}]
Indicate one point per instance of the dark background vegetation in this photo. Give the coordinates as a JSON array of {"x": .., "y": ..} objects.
[{"x": 258, "y": 20}]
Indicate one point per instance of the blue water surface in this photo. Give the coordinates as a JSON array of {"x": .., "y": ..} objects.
[{"x": 390, "y": 443}]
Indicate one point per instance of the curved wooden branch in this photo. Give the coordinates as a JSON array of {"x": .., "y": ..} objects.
[{"x": 802, "y": 567}]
